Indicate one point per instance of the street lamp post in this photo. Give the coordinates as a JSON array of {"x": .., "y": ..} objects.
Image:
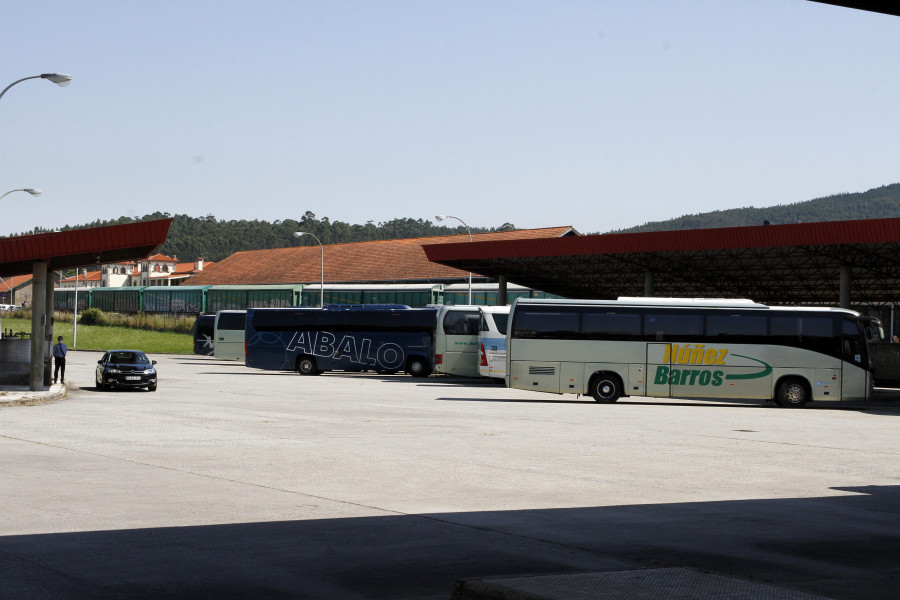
[
  {"x": 441, "y": 218},
  {"x": 31, "y": 191},
  {"x": 57, "y": 78},
  {"x": 322, "y": 249},
  {"x": 39, "y": 320}
]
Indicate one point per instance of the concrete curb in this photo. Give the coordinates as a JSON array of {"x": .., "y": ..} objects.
[{"x": 30, "y": 398}]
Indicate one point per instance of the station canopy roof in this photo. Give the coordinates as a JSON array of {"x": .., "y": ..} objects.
[
  {"x": 794, "y": 264},
  {"x": 888, "y": 7},
  {"x": 81, "y": 247}
]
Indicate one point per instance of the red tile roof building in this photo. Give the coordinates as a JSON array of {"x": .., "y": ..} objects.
[
  {"x": 15, "y": 289},
  {"x": 385, "y": 261}
]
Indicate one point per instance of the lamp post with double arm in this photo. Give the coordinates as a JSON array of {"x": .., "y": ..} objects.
[{"x": 441, "y": 218}]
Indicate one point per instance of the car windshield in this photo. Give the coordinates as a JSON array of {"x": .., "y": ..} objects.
[{"x": 128, "y": 357}]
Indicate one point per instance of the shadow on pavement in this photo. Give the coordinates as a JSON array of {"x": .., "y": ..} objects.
[
  {"x": 838, "y": 546},
  {"x": 557, "y": 399}
]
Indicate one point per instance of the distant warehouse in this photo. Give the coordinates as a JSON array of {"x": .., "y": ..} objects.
[
  {"x": 379, "y": 272},
  {"x": 384, "y": 261}
]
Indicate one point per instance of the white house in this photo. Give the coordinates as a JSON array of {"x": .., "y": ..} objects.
[{"x": 159, "y": 269}]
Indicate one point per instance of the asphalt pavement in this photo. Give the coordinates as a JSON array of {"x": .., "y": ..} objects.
[{"x": 231, "y": 482}]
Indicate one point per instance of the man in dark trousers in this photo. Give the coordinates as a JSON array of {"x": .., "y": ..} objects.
[{"x": 59, "y": 357}]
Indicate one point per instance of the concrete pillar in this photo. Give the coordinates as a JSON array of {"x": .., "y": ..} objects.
[
  {"x": 501, "y": 291},
  {"x": 846, "y": 281},
  {"x": 48, "y": 328},
  {"x": 38, "y": 325},
  {"x": 649, "y": 284}
]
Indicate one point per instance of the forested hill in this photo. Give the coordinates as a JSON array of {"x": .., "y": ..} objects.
[
  {"x": 213, "y": 239},
  {"x": 877, "y": 203}
]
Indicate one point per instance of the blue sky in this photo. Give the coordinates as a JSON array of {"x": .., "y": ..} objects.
[{"x": 600, "y": 115}]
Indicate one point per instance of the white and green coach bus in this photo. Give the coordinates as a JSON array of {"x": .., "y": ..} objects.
[{"x": 689, "y": 348}]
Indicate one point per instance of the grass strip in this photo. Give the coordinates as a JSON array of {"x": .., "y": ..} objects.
[{"x": 93, "y": 337}]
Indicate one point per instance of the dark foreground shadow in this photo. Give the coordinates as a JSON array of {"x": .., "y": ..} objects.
[{"x": 837, "y": 546}]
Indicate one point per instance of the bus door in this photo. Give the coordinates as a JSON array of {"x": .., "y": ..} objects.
[
  {"x": 659, "y": 366},
  {"x": 855, "y": 376}
]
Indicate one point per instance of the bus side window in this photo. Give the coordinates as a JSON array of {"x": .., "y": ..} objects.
[
  {"x": 461, "y": 323},
  {"x": 610, "y": 325},
  {"x": 560, "y": 325},
  {"x": 737, "y": 327},
  {"x": 664, "y": 326}
]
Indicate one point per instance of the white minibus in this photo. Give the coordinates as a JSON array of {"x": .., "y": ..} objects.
[
  {"x": 492, "y": 342},
  {"x": 229, "y": 334}
]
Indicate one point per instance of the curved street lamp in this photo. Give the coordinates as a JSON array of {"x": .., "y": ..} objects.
[
  {"x": 32, "y": 191},
  {"x": 58, "y": 78},
  {"x": 322, "y": 248},
  {"x": 441, "y": 218}
]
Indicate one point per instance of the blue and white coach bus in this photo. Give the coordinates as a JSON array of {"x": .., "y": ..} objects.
[
  {"x": 690, "y": 348},
  {"x": 310, "y": 341}
]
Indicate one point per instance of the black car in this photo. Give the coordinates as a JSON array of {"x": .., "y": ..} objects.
[{"x": 125, "y": 369}]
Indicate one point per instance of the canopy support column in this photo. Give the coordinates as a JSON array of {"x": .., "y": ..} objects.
[
  {"x": 846, "y": 281},
  {"x": 649, "y": 284},
  {"x": 48, "y": 327},
  {"x": 38, "y": 325},
  {"x": 501, "y": 291}
]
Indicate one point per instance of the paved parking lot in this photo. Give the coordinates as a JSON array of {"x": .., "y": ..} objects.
[{"x": 231, "y": 482}]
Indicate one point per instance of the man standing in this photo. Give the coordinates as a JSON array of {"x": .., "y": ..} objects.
[{"x": 59, "y": 356}]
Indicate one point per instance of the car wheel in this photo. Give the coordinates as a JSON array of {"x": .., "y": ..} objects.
[
  {"x": 151, "y": 388},
  {"x": 97, "y": 385}
]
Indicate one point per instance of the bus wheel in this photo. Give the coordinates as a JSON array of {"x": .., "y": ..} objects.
[
  {"x": 793, "y": 393},
  {"x": 606, "y": 387},
  {"x": 306, "y": 365},
  {"x": 417, "y": 367}
]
